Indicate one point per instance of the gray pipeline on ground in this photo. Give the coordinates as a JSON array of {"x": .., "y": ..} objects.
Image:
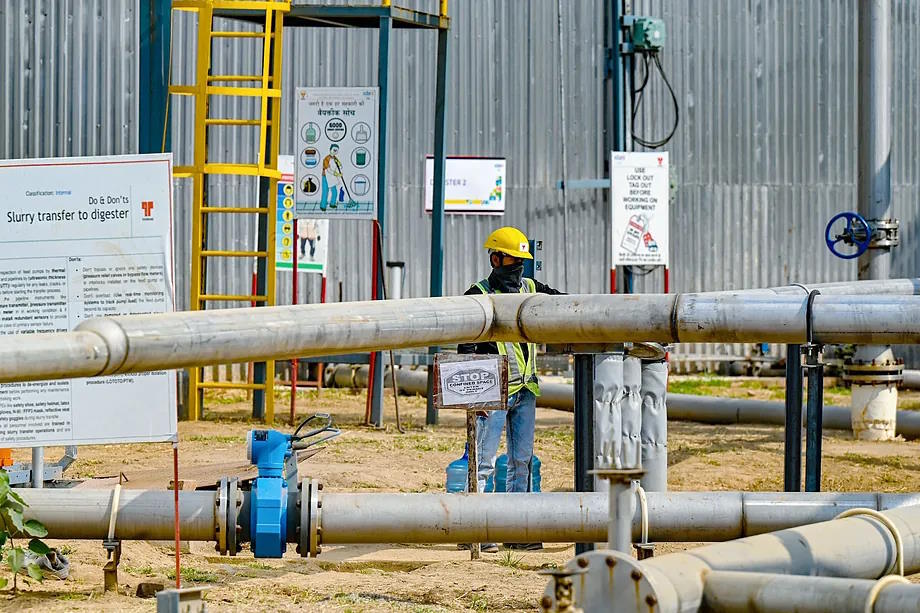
[
  {"x": 383, "y": 517},
  {"x": 681, "y": 407},
  {"x": 140, "y": 343}
]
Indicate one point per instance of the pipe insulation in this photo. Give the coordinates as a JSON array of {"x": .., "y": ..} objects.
[
  {"x": 680, "y": 407},
  {"x": 139, "y": 343}
]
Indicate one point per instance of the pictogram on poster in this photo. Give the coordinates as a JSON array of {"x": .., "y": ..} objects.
[{"x": 311, "y": 239}]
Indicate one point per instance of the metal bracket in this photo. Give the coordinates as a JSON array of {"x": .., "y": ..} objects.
[
  {"x": 641, "y": 350},
  {"x": 884, "y": 233},
  {"x": 309, "y": 536},
  {"x": 110, "y": 570},
  {"x": 221, "y": 516}
]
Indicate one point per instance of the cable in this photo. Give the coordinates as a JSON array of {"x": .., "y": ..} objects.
[
  {"x": 643, "y": 514},
  {"x": 876, "y": 590},
  {"x": 653, "y": 144},
  {"x": 895, "y": 534}
]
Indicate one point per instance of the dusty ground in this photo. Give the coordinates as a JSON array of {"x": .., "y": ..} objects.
[{"x": 420, "y": 578}]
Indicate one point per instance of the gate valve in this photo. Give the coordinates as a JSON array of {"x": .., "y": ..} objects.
[{"x": 856, "y": 233}]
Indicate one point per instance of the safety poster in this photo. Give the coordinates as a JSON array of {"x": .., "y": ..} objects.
[
  {"x": 473, "y": 185},
  {"x": 310, "y": 237},
  {"x": 83, "y": 238},
  {"x": 640, "y": 189},
  {"x": 336, "y": 161}
]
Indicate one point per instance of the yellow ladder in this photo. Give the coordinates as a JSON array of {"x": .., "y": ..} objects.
[{"x": 266, "y": 88}]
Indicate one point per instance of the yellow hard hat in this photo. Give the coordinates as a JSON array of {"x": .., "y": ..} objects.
[{"x": 511, "y": 241}]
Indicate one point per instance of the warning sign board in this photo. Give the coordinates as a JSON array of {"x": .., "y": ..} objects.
[
  {"x": 471, "y": 382},
  {"x": 640, "y": 188}
]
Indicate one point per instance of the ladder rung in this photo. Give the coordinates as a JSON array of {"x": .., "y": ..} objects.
[
  {"x": 231, "y": 77},
  {"x": 231, "y": 298},
  {"x": 252, "y": 5},
  {"x": 233, "y": 209},
  {"x": 183, "y": 90},
  {"x": 218, "y": 168},
  {"x": 233, "y": 122},
  {"x": 256, "y": 92},
  {"x": 230, "y": 385},
  {"x": 228, "y": 34},
  {"x": 221, "y": 253}
]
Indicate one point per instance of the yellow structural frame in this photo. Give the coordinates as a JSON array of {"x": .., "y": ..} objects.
[{"x": 266, "y": 87}]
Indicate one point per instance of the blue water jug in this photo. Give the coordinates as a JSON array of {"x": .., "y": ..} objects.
[
  {"x": 457, "y": 474},
  {"x": 501, "y": 475}
]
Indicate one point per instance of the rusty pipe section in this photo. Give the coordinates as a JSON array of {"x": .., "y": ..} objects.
[{"x": 140, "y": 343}]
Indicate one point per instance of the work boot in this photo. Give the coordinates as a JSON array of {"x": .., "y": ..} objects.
[
  {"x": 483, "y": 547},
  {"x": 524, "y": 546}
]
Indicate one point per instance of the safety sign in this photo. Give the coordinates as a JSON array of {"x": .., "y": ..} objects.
[
  {"x": 471, "y": 185},
  {"x": 470, "y": 381},
  {"x": 82, "y": 238},
  {"x": 336, "y": 165},
  {"x": 310, "y": 237},
  {"x": 640, "y": 188}
]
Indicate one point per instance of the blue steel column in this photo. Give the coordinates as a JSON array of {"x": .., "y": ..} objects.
[
  {"x": 154, "y": 29},
  {"x": 383, "y": 82},
  {"x": 436, "y": 287}
]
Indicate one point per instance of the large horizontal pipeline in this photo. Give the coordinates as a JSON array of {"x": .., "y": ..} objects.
[
  {"x": 140, "y": 343},
  {"x": 681, "y": 407},
  {"x": 453, "y": 518}
]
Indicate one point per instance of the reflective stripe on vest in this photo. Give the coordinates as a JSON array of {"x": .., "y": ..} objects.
[{"x": 521, "y": 373}]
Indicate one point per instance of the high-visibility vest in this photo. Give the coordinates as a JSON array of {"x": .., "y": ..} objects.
[{"x": 521, "y": 373}]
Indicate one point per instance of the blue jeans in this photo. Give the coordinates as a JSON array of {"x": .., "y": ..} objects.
[{"x": 518, "y": 421}]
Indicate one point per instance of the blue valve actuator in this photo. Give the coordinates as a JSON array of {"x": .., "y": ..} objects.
[{"x": 268, "y": 450}]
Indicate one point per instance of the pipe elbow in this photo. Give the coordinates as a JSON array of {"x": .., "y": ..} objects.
[{"x": 113, "y": 337}]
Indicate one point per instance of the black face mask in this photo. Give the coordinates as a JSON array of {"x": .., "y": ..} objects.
[{"x": 507, "y": 279}]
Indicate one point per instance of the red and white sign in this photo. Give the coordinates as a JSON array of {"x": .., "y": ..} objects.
[{"x": 640, "y": 193}]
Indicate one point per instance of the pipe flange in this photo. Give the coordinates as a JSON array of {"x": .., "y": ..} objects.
[
  {"x": 874, "y": 373},
  {"x": 655, "y": 352},
  {"x": 305, "y": 528},
  {"x": 221, "y": 502},
  {"x": 316, "y": 506},
  {"x": 234, "y": 503},
  {"x": 884, "y": 233},
  {"x": 610, "y": 581}
]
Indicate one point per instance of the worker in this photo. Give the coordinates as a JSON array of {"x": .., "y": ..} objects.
[{"x": 508, "y": 248}]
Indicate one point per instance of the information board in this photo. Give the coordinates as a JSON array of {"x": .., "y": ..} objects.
[
  {"x": 312, "y": 236},
  {"x": 471, "y": 185},
  {"x": 640, "y": 189},
  {"x": 336, "y": 166},
  {"x": 83, "y": 238}
]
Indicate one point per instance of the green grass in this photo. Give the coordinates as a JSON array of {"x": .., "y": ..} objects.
[
  {"x": 509, "y": 560},
  {"x": 216, "y": 438},
  {"x": 194, "y": 575},
  {"x": 699, "y": 386},
  {"x": 143, "y": 571}
]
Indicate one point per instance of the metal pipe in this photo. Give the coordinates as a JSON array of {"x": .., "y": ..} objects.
[
  {"x": 911, "y": 380},
  {"x": 576, "y": 517},
  {"x": 680, "y": 407},
  {"x": 874, "y": 128},
  {"x": 142, "y": 514},
  {"x": 38, "y": 467},
  {"x": 654, "y": 426},
  {"x": 140, "y": 343},
  {"x": 737, "y": 592},
  {"x": 859, "y": 547},
  {"x": 814, "y": 429},
  {"x": 792, "y": 450},
  {"x": 584, "y": 429}
]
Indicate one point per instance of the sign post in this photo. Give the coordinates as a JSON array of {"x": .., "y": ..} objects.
[
  {"x": 471, "y": 383},
  {"x": 640, "y": 193}
]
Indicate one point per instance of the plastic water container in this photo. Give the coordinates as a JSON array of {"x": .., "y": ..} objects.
[
  {"x": 501, "y": 475},
  {"x": 457, "y": 474}
]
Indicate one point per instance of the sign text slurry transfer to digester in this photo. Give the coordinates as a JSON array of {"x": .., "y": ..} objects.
[
  {"x": 84, "y": 238},
  {"x": 335, "y": 165}
]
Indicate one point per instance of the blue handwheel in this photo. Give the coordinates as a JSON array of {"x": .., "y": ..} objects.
[{"x": 859, "y": 236}]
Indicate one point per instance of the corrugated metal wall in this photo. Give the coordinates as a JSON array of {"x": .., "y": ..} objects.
[{"x": 765, "y": 153}]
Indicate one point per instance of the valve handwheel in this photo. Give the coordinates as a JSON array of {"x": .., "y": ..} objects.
[{"x": 857, "y": 233}]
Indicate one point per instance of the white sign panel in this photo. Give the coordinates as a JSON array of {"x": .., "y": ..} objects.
[
  {"x": 336, "y": 166},
  {"x": 470, "y": 382},
  {"x": 640, "y": 187},
  {"x": 83, "y": 238},
  {"x": 471, "y": 185},
  {"x": 312, "y": 237}
]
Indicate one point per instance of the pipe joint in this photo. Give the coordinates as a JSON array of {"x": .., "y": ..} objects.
[{"x": 115, "y": 339}]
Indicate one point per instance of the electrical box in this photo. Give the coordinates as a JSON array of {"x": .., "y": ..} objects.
[
  {"x": 533, "y": 269},
  {"x": 648, "y": 34}
]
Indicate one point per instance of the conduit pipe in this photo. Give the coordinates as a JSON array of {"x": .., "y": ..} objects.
[
  {"x": 737, "y": 592},
  {"x": 681, "y": 407},
  {"x": 858, "y": 547},
  {"x": 453, "y": 518},
  {"x": 139, "y": 343}
]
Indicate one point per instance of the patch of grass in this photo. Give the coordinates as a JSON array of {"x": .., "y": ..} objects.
[
  {"x": 478, "y": 603},
  {"x": 194, "y": 575},
  {"x": 509, "y": 560},
  {"x": 701, "y": 386},
  {"x": 142, "y": 571},
  {"x": 73, "y": 596},
  {"x": 874, "y": 461},
  {"x": 260, "y": 565},
  {"x": 217, "y": 438}
]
